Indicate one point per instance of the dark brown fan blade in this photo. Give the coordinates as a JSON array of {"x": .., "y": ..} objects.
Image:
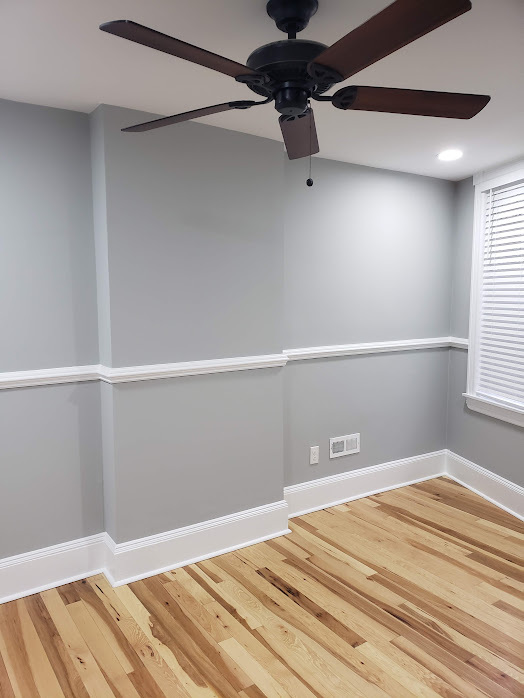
[
  {"x": 127, "y": 29},
  {"x": 188, "y": 115},
  {"x": 397, "y": 25},
  {"x": 300, "y": 134},
  {"x": 449, "y": 105}
]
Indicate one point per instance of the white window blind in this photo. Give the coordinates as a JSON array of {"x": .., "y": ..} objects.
[{"x": 499, "y": 361}]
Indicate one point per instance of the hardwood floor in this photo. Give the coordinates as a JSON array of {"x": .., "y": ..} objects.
[{"x": 414, "y": 592}]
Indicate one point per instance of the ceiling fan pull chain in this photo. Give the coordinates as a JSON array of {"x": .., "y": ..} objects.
[{"x": 309, "y": 181}]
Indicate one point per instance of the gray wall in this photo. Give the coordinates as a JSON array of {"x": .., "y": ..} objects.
[
  {"x": 189, "y": 223},
  {"x": 191, "y": 449},
  {"x": 50, "y": 462},
  {"x": 50, "y": 466},
  {"x": 366, "y": 259},
  {"x": 461, "y": 257},
  {"x": 100, "y": 238},
  {"x": 196, "y": 243},
  {"x": 397, "y": 402},
  {"x": 366, "y": 255},
  {"x": 492, "y": 443},
  {"x": 47, "y": 281}
]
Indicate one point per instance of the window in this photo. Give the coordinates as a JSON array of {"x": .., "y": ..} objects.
[{"x": 496, "y": 348}]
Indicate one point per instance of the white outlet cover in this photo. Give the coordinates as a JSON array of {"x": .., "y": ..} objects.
[{"x": 314, "y": 453}]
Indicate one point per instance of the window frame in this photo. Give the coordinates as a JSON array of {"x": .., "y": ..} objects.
[{"x": 483, "y": 182}]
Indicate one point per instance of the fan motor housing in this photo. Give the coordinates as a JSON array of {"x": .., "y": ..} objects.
[{"x": 284, "y": 63}]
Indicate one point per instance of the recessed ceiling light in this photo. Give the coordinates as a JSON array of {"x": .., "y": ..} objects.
[{"x": 450, "y": 155}]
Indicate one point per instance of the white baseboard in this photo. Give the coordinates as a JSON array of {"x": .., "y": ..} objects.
[
  {"x": 38, "y": 570},
  {"x": 337, "y": 489},
  {"x": 496, "y": 489},
  {"x": 30, "y": 573},
  {"x": 145, "y": 557}
]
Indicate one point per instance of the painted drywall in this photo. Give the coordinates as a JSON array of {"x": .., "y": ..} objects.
[
  {"x": 48, "y": 311},
  {"x": 192, "y": 449},
  {"x": 189, "y": 240},
  {"x": 366, "y": 255},
  {"x": 51, "y": 472},
  {"x": 492, "y": 443},
  {"x": 194, "y": 242},
  {"x": 397, "y": 402},
  {"x": 367, "y": 258},
  {"x": 208, "y": 244},
  {"x": 50, "y": 459},
  {"x": 461, "y": 257},
  {"x": 100, "y": 235}
]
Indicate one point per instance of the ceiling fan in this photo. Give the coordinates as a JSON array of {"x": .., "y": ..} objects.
[{"x": 293, "y": 71}]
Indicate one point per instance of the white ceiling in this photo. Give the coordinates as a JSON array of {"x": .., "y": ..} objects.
[{"x": 52, "y": 53}]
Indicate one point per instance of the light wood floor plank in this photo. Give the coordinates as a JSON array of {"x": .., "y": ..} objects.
[{"x": 412, "y": 593}]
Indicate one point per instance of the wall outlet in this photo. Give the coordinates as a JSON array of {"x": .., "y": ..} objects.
[
  {"x": 314, "y": 453},
  {"x": 344, "y": 445}
]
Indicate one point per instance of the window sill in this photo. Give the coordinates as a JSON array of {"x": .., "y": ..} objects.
[{"x": 495, "y": 409}]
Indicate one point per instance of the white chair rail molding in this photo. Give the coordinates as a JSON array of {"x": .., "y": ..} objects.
[{"x": 126, "y": 374}]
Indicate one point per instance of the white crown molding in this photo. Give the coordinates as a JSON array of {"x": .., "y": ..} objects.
[
  {"x": 127, "y": 374},
  {"x": 337, "y": 489},
  {"x": 372, "y": 348},
  {"x": 503, "y": 493},
  {"x": 49, "y": 376},
  {"x": 32, "y": 572}
]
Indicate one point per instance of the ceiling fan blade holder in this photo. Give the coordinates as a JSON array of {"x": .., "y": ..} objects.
[
  {"x": 448, "y": 105},
  {"x": 396, "y": 26}
]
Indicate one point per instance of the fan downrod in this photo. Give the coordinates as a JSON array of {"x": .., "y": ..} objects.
[{"x": 291, "y": 16}]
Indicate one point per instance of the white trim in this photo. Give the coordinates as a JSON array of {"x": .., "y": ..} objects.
[
  {"x": 491, "y": 408},
  {"x": 49, "y": 376},
  {"x": 483, "y": 182},
  {"x": 368, "y": 348},
  {"x": 496, "y": 489},
  {"x": 458, "y": 343},
  {"x": 30, "y": 573},
  {"x": 190, "y": 368},
  {"x": 144, "y": 557},
  {"x": 337, "y": 489},
  {"x": 126, "y": 374},
  {"x": 38, "y": 570},
  {"x": 498, "y": 176}
]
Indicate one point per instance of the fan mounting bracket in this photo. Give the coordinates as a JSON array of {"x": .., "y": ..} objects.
[{"x": 291, "y": 16}]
